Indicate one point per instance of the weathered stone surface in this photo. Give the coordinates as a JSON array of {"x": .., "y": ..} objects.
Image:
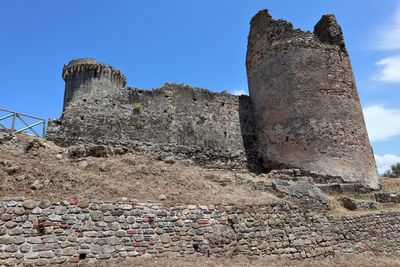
[
  {"x": 113, "y": 241},
  {"x": 68, "y": 251},
  {"x": 34, "y": 240},
  {"x": 382, "y": 197},
  {"x": 393, "y": 198},
  {"x": 303, "y": 111},
  {"x": 272, "y": 229},
  {"x": 7, "y": 240},
  {"x": 47, "y": 254},
  {"x": 3, "y": 230},
  {"x": 354, "y": 204},
  {"x": 96, "y": 215},
  {"x": 19, "y": 211},
  {"x": 96, "y": 249},
  {"x": 302, "y": 193},
  {"x": 306, "y": 106},
  {"x": 130, "y": 219},
  {"x": 25, "y": 248},
  {"x": 41, "y": 262},
  {"x": 176, "y": 120},
  {"x": 32, "y": 255},
  {"x": 162, "y": 197},
  {"x": 165, "y": 238},
  {"x": 58, "y": 260},
  {"x": 19, "y": 240},
  {"x": 21, "y": 178},
  {"x": 55, "y": 218},
  {"x": 44, "y": 204},
  {"x": 37, "y": 185},
  {"x": 8, "y": 262},
  {"x": 6, "y": 217},
  {"x": 104, "y": 256},
  {"x": 29, "y": 204},
  {"x": 10, "y": 224},
  {"x": 307, "y": 115}
]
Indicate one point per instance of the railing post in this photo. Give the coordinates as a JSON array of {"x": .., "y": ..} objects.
[
  {"x": 44, "y": 129},
  {"x": 13, "y": 121},
  {"x": 30, "y": 127}
]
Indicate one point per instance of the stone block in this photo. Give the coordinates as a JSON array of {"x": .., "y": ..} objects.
[
  {"x": 6, "y": 240},
  {"x": 382, "y": 197},
  {"x": 29, "y": 204}
]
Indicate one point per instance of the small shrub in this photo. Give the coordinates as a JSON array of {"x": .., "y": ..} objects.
[
  {"x": 394, "y": 171},
  {"x": 138, "y": 125},
  {"x": 201, "y": 119},
  {"x": 119, "y": 120},
  {"x": 137, "y": 106}
]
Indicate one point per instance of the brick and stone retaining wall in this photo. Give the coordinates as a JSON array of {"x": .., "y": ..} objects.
[{"x": 45, "y": 232}]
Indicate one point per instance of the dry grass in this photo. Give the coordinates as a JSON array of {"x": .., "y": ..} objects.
[
  {"x": 390, "y": 184},
  {"x": 132, "y": 176}
]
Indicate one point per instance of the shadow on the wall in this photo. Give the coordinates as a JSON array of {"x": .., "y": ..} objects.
[{"x": 247, "y": 126}]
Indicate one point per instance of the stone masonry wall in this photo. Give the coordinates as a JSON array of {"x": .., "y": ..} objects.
[
  {"x": 213, "y": 129},
  {"x": 87, "y": 77},
  {"x": 306, "y": 106},
  {"x": 40, "y": 233}
]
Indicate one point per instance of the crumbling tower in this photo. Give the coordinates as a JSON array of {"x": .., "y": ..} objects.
[
  {"x": 307, "y": 110},
  {"x": 86, "y": 78}
]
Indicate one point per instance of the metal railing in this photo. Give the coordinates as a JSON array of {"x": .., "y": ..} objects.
[{"x": 21, "y": 117}]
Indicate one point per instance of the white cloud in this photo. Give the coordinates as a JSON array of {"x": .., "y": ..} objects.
[
  {"x": 389, "y": 36},
  {"x": 390, "y": 69},
  {"x": 382, "y": 123},
  {"x": 239, "y": 92},
  {"x": 384, "y": 162}
]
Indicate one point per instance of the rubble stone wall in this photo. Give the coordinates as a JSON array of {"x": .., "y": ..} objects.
[
  {"x": 213, "y": 129},
  {"x": 86, "y": 77},
  {"x": 307, "y": 109},
  {"x": 45, "y": 232},
  {"x": 303, "y": 110}
]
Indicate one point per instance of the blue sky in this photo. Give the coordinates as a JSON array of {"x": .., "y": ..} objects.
[{"x": 201, "y": 43}]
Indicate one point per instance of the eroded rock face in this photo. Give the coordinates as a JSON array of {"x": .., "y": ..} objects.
[
  {"x": 301, "y": 193},
  {"x": 307, "y": 110}
]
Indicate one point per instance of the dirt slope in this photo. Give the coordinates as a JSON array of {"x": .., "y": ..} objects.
[
  {"x": 242, "y": 261},
  {"x": 32, "y": 168}
]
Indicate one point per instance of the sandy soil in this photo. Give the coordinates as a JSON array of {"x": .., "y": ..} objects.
[
  {"x": 390, "y": 184},
  {"x": 241, "y": 261}
]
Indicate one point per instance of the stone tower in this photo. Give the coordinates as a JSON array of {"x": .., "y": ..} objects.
[
  {"x": 86, "y": 78},
  {"x": 307, "y": 110}
]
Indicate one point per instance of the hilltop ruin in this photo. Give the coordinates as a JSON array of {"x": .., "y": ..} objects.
[
  {"x": 286, "y": 173},
  {"x": 303, "y": 110}
]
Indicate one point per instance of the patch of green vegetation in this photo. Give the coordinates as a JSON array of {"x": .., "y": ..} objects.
[
  {"x": 138, "y": 124},
  {"x": 137, "y": 106},
  {"x": 394, "y": 171},
  {"x": 120, "y": 121},
  {"x": 201, "y": 119}
]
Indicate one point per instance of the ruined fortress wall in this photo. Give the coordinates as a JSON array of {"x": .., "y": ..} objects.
[
  {"x": 307, "y": 109},
  {"x": 214, "y": 129},
  {"x": 58, "y": 232},
  {"x": 87, "y": 78},
  {"x": 303, "y": 110}
]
